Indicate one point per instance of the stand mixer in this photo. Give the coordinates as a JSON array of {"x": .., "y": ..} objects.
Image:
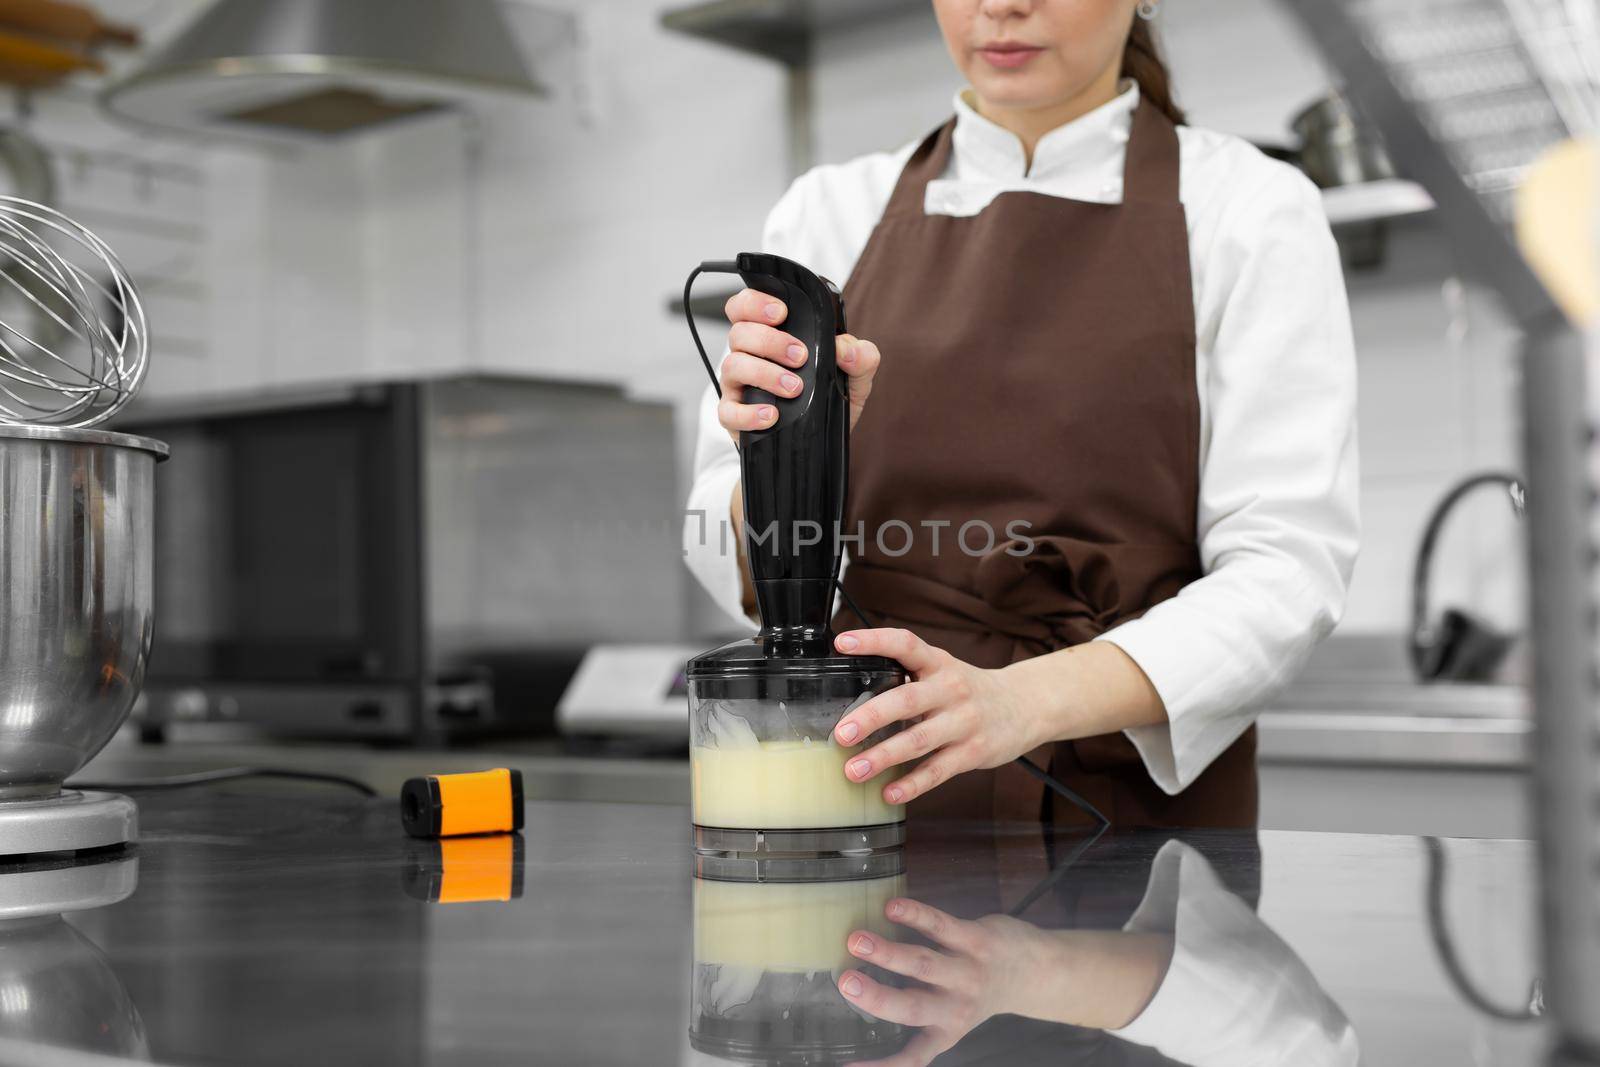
[
  {"x": 771, "y": 800},
  {"x": 75, "y": 529}
]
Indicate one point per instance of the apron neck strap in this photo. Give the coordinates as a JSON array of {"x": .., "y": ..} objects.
[
  {"x": 1149, "y": 171},
  {"x": 926, "y": 163}
]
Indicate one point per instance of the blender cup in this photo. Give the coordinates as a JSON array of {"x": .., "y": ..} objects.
[
  {"x": 767, "y": 773},
  {"x": 770, "y": 794}
]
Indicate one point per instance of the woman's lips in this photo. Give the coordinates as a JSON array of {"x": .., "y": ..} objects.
[{"x": 1008, "y": 56}]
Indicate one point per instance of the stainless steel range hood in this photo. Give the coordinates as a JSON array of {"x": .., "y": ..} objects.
[{"x": 299, "y": 70}]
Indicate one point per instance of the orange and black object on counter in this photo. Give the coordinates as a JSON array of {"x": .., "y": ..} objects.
[
  {"x": 470, "y": 849},
  {"x": 452, "y": 805}
]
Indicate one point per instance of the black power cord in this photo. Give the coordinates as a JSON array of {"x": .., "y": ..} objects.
[
  {"x": 727, "y": 267},
  {"x": 1076, "y": 800},
  {"x": 227, "y": 774},
  {"x": 708, "y": 267},
  {"x": 1058, "y": 870}
]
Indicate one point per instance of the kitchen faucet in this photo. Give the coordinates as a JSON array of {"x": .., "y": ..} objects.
[{"x": 1458, "y": 646}]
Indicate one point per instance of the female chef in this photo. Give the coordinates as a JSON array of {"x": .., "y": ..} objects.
[{"x": 1103, "y": 447}]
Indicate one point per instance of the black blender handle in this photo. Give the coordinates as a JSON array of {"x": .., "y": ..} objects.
[
  {"x": 815, "y": 318},
  {"x": 795, "y": 472}
]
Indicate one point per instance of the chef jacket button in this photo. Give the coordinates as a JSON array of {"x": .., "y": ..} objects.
[{"x": 1120, "y": 135}]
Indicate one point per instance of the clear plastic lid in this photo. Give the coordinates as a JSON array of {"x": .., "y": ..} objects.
[{"x": 753, "y": 655}]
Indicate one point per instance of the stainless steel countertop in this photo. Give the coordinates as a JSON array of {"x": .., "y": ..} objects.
[{"x": 273, "y": 924}]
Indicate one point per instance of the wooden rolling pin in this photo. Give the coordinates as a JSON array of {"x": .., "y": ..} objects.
[
  {"x": 33, "y": 64},
  {"x": 70, "y": 23}
]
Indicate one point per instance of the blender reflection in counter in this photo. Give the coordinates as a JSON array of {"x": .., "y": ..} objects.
[
  {"x": 767, "y": 961},
  {"x": 1194, "y": 976}
]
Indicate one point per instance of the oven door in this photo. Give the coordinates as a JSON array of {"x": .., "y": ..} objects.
[{"x": 288, "y": 544}]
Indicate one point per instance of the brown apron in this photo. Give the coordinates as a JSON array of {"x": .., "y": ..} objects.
[{"x": 1038, "y": 382}]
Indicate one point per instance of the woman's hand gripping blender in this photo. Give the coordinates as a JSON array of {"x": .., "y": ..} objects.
[{"x": 762, "y": 355}]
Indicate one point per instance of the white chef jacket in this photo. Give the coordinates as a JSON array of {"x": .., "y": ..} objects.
[
  {"x": 1275, "y": 369},
  {"x": 1234, "y": 995}
]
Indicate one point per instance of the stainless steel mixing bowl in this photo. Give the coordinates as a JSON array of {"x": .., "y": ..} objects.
[{"x": 76, "y": 615}]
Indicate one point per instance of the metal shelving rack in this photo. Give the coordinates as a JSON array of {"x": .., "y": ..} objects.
[
  {"x": 786, "y": 31},
  {"x": 782, "y": 29},
  {"x": 1468, "y": 94}
]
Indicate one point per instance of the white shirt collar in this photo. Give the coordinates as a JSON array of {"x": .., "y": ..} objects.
[{"x": 986, "y": 150}]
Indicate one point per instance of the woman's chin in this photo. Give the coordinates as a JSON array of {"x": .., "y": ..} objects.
[{"x": 1018, "y": 91}]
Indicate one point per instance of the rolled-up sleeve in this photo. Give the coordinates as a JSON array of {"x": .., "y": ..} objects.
[{"x": 1278, "y": 520}]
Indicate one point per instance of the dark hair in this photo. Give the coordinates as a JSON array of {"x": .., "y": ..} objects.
[{"x": 1141, "y": 61}]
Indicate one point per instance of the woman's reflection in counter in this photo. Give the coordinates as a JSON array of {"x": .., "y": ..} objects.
[{"x": 1194, "y": 977}]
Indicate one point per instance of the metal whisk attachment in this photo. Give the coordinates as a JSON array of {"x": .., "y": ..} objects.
[{"x": 74, "y": 344}]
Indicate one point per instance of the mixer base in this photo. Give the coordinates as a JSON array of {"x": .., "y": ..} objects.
[
  {"x": 34, "y": 887},
  {"x": 67, "y": 822}
]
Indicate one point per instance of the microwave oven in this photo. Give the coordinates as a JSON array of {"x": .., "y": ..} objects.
[{"x": 406, "y": 559}]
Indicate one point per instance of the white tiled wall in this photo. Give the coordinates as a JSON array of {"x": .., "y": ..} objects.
[
  {"x": 548, "y": 238},
  {"x": 542, "y": 238}
]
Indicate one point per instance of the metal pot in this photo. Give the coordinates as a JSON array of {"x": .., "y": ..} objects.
[
  {"x": 76, "y": 617},
  {"x": 1336, "y": 148}
]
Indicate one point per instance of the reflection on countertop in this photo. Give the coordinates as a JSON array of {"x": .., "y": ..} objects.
[
  {"x": 273, "y": 925},
  {"x": 56, "y": 986},
  {"x": 1191, "y": 974}
]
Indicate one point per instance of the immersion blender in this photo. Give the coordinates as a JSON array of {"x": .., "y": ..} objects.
[{"x": 771, "y": 799}]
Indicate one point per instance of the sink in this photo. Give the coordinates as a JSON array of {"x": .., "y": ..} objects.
[{"x": 1357, "y": 702}]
